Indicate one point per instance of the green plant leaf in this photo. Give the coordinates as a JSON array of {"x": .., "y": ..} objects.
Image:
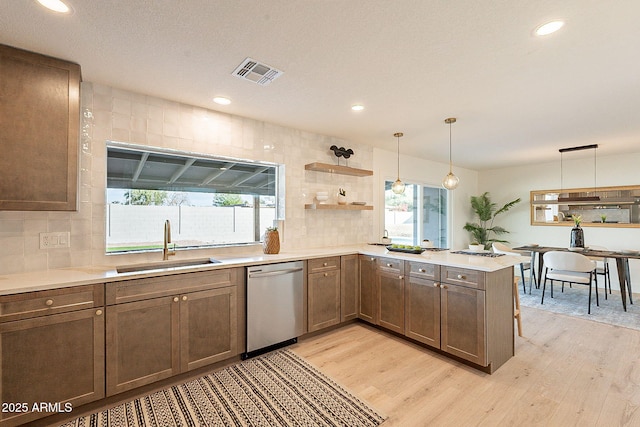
[{"x": 486, "y": 211}]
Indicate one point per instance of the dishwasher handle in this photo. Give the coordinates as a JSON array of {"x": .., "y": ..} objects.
[{"x": 275, "y": 273}]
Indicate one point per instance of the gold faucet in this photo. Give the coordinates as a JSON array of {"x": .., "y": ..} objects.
[{"x": 166, "y": 253}]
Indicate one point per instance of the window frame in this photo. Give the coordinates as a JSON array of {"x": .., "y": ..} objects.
[
  {"x": 278, "y": 185},
  {"x": 418, "y": 222}
]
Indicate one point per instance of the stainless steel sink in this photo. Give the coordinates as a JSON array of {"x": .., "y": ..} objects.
[{"x": 165, "y": 264}]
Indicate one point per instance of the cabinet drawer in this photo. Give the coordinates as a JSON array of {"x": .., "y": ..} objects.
[
  {"x": 154, "y": 287},
  {"x": 463, "y": 276},
  {"x": 43, "y": 303},
  {"x": 390, "y": 265},
  {"x": 425, "y": 271},
  {"x": 323, "y": 264}
]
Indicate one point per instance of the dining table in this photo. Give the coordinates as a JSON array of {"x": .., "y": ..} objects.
[{"x": 622, "y": 264}]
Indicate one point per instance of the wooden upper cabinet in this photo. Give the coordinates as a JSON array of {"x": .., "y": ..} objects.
[{"x": 40, "y": 123}]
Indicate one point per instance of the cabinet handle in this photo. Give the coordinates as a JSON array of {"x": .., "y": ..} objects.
[
  {"x": 324, "y": 264},
  {"x": 372, "y": 259},
  {"x": 389, "y": 265},
  {"x": 326, "y": 274},
  {"x": 443, "y": 286},
  {"x": 176, "y": 299},
  {"x": 48, "y": 302},
  {"x": 184, "y": 297},
  {"x": 461, "y": 277},
  {"x": 422, "y": 270},
  {"x": 400, "y": 277},
  {"x": 98, "y": 312}
]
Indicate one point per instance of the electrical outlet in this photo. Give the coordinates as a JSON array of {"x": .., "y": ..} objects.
[{"x": 54, "y": 240}]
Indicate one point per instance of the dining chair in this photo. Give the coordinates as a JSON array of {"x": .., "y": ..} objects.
[
  {"x": 602, "y": 267},
  {"x": 569, "y": 267},
  {"x": 501, "y": 248}
]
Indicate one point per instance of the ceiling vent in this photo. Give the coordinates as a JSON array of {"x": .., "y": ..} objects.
[{"x": 256, "y": 72}]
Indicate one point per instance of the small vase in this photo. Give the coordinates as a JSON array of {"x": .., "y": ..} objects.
[
  {"x": 342, "y": 200},
  {"x": 577, "y": 237},
  {"x": 271, "y": 243}
]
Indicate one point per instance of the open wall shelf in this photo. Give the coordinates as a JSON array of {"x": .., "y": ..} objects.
[
  {"x": 339, "y": 207},
  {"x": 342, "y": 170}
]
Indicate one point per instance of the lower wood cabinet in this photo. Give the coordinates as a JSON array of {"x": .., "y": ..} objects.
[
  {"x": 349, "y": 287},
  {"x": 368, "y": 305},
  {"x": 466, "y": 313},
  {"x": 143, "y": 343},
  {"x": 323, "y": 300},
  {"x": 51, "y": 359},
  {"x": 332, "y": 291},
  {"x": 463, "y": 323},
  {"x": 390, "y": 289},
  {"x": 156, "y": 338},
  {"x": 208, "y": 327},
  {"x": 422, "y": 310}
]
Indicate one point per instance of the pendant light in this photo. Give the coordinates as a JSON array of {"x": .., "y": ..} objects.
[
  {"x": 595, "y": 197},
  {"x": 398, "y": 186},
  {"x": 450, "y": 182}
]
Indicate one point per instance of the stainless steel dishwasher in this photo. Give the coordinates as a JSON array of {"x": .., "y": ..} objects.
[{"x": 274, "y": 305}]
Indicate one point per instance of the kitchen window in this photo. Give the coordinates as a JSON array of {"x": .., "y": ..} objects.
[
  {"x": 420, "y": 213},
  {"x": 210, "y": 201}
]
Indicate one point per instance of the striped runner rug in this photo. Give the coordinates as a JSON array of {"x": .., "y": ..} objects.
[{"x": 276, "y": 389}]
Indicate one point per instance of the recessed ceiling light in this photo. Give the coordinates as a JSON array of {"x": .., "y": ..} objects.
[
  {"x": 222, "y": 100},
  {"x": 357, "y": 107},
  {"x": 55, "y": 5},
  {"x": 549, "y": 27}
]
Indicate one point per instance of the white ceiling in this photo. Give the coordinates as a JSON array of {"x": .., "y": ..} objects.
[{"x": 412, "y": 63}]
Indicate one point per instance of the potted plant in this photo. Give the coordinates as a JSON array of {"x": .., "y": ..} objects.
[
  {"x": 487, "y": 211},
  {"x": 271, "y": 242},
  {"x": 342, "y": 196},
  {"x": 603, "y": 218}
]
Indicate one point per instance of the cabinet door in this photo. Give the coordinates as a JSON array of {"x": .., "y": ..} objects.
[
  {"x": 40, "y": 122},
  {"x": 208, "y": 327},
  {"x": 368, "y": 290},
  {"x": 56, "y": 358},
  {"x": 422, "y": 311},
  {"x": 391, "y": 300},
  {"x": 143, "y": 343},
  {"x": 463, "y": 331},
  {"x": 349, "y": 292},
  {"x": 323, "y": 299}
]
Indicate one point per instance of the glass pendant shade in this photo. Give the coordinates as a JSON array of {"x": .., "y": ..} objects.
[
  {"x": 398, "y": 186},
  {"x": 450, "y": 182}
]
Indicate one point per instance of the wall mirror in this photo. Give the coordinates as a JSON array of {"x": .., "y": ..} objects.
[{"x": 599, "y": 207}]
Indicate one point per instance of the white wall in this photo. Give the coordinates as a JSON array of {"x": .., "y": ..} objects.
[
  {"x": 117, "y": 115},
  {"x": 509, "y": 183}
]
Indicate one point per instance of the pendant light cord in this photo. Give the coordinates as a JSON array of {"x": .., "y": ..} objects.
[
  {"x": 450, "y": 164},
  {"x": 398, "y": 156}
]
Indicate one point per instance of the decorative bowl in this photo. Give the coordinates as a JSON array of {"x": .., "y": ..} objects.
[
  {"x": 322, "y": 197},
  {"x": 476, "y": 248}
]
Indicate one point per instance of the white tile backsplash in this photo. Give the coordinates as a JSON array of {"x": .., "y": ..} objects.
[{"x": 119, "y": 115}]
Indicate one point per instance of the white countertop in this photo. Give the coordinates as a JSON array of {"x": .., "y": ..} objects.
[{"x": 75, "y": 276}]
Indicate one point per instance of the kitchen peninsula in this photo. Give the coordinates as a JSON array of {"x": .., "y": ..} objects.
[{"x": 457, "y": 304}]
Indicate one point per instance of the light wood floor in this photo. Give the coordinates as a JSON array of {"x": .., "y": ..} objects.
[{"x": 566, "y": 372}]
